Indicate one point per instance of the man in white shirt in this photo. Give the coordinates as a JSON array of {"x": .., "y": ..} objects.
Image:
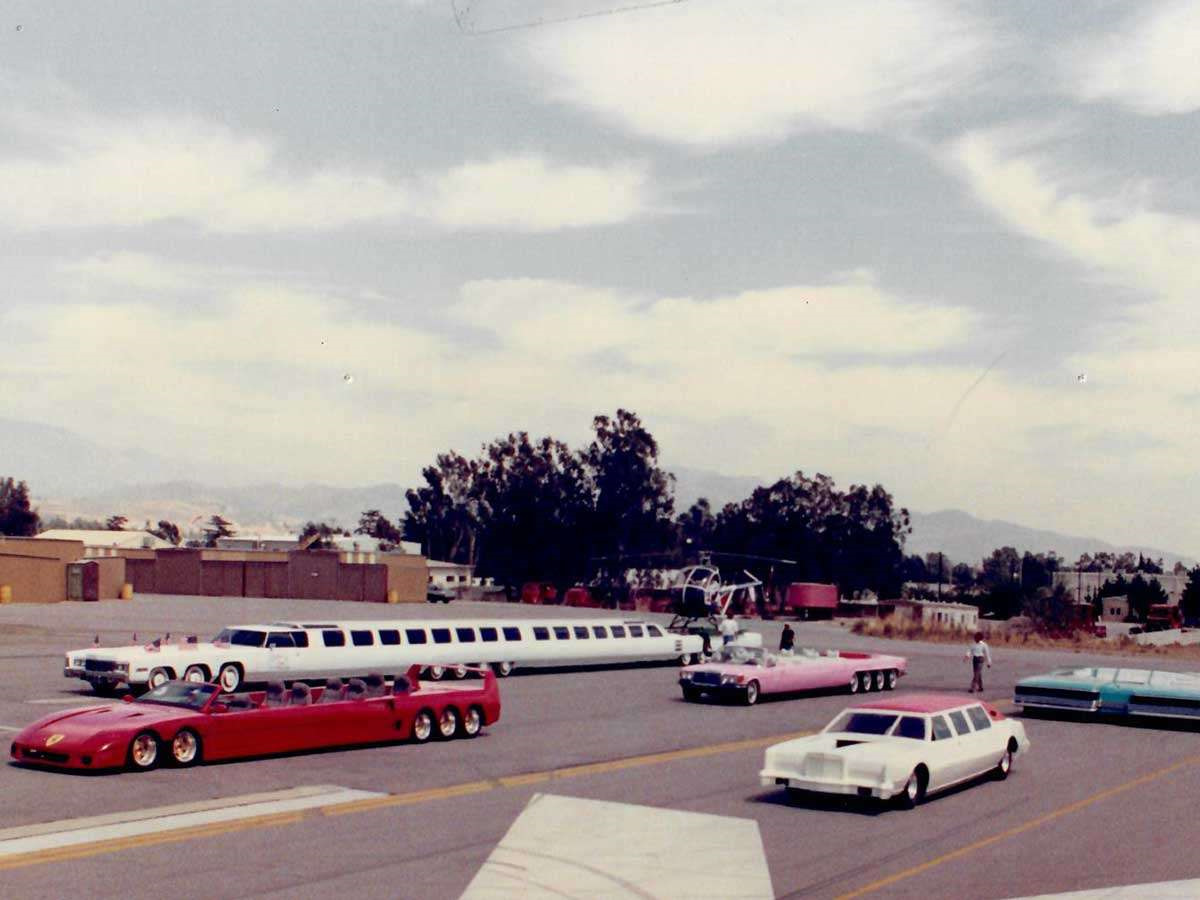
[
  {"x": 979, "y": 653},
  {"x": 729, "y": 628}
]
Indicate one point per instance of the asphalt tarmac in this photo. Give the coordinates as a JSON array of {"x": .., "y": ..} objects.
[{"x": 1090, "y": 805}]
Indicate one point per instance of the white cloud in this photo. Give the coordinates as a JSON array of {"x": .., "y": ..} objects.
[
  {"x": 706, "y": 74},
  {"x": 1148, "y": 63},
  {"x": 97, "y": 173}
]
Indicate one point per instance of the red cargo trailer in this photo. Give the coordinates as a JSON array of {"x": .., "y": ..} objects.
[{"x": 810, "y": 600}]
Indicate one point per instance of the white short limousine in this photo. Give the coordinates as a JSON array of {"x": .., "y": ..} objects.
[
  {"x": 293, "y": 651},
  {"x": 903, "y": 749}
]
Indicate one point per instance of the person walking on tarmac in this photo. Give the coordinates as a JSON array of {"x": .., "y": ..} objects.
[
  {"x": 979, "y": 653},
  {"x": 787, "y": 640}
]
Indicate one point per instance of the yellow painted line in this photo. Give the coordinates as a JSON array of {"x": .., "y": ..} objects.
[
  {"x": 1018, "y": 829},
  {"x": 82, "y": 851}
]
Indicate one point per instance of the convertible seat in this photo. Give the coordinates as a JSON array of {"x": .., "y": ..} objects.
[
  {"x": 332, "y": 692},
  {"x": 241, "y": 703},
  {"x": 275, "y": 694},
  {"x": 356, "y": 689},
  {"x": 300, "y": 694},
  {"x": 401, "y": 685},
  {"x": 375, "y": 685}
]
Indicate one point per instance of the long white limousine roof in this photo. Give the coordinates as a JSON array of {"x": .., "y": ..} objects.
[{"x": 440, "y": 623}]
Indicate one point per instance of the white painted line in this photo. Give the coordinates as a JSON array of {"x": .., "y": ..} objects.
[
  {"x": 1162, "y": 890},
  {"x": 68, "y": 833},
  {"x": 9, "y": 728},
  {"x": 569, "y": 847}
]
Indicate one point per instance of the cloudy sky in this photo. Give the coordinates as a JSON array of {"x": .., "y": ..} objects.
[{"x": 949, "y": 247}]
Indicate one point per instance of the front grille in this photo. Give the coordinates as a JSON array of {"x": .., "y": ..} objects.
[
  {"x": 710, "y": 678},
  {"x": 1065, "y": 698},
  {"x": 99, "y": 665},
  {"x": 46, "y": 755}
]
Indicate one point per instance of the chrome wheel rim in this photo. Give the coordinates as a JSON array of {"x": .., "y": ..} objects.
[
  {"x": 472, "y": 722},
  {"x": 422, "y": 727},
  {"x": 230, "y": 679},
  {"x": 911, "y": 789},
  {"x": 751, "y": 693},
  {"x": 854, "y": 684},
  {"x": 892, "y": 678},
  {"x": 505, "y": 668},
  {"x": 184, "y": 747},
  {"x": 145, "y": 750},
  {"x": 448, "y": 723},
  {"x": 194, "y": 675},
  {"x": 436, "y": 672},
  {"x": 1006, "y": 762},
  {"x": 158, "y": 678}
]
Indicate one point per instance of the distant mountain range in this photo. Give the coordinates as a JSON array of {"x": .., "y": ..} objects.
[{"x": 65, "y": 470}]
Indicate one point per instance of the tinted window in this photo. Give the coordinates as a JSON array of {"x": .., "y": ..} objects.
[
  {"x": 242, "y": 638},
  {"x": 333, "y": 638},
  {"x": 389, "y": 636},
  {"x": 466, "y": 635},
  {"x": 941, "y": 731},
  {"x": 863, "y": 722},
  {"x": 618, "y": 631},
  {"x": 960, "y": 723},
  {"x": 512, "y": 634},
  {"x": 561, "y": 632},
  {"x": 541, "y": 633},
  {"x": 911, "y": 727},
  {"x": 653, "y": 631},
  {"x": 581, "y": 632},
  {"x": 600, "y": 631},
  {"x": 635, "y": 631},
  {"x": 488, "y": 634},
  {"x": 415, "y": 635},
  {"x": 362, "y": 638},
  {"x": 280, "y": 639},
  {"x": 441, "y": 635},
  {"x": 979, "y": 717},
  {"x": 300, "y": 638}
]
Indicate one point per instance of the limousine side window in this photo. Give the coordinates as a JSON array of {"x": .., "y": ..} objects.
[
  {"x": 362, "y": 638},
  {"x": 618, "y": 631},
  {"x": 300, "y": 638},
  {"x": 389, "y": 636},
  {"x": 241, "y": 637},
  {"x": 487, "y": 633},
  {"x": 910, "y": 727},
  {"x": 541, "y": 633},
  {"x": 512, "y": 633},
  {"x": 416, "y": 635},
  {"x": 333, "y": 638},
  {"x": 280, "y": 639},
  {"x": 441, "y": 635},
  {"x": 941, "y": 731},
  {"x": 465, "y": 635},
  {"x": 599, "y": 631},
  {"x": 960, "y": 722},
  {"x": 561, "y": 632},
  {"x": 581, "y": 632},
  {"x": 979, "y": 717},
  {"x": 653, "y": 631},
  {"x": 635, "y": 630}
]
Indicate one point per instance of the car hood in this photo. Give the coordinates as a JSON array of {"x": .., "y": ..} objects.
[
  {"x": 849, "y": 746},
  {"x": 79, "y": 724},
  {"x": 136, "y": 652}
]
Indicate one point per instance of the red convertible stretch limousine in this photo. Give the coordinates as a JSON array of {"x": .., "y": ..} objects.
[{"x": 183, "y": 722}]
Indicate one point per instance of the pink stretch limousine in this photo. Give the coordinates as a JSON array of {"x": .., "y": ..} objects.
[{"x": 744, "y": 673}]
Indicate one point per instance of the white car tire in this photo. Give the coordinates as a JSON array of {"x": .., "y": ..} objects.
[
  {"x": 157, "y": 678},
  {"x": 230, "y": 678},
  {"x": 195, "y": 674},
  {"x": 752, "y": 691}
]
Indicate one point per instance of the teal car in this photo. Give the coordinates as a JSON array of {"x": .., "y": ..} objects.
[{"x": 1112, "y": 691}]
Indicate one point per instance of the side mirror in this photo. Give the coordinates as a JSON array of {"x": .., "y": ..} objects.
[{"x": 127, "y": 698}]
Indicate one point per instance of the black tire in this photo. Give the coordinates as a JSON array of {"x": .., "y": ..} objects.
[
  {"x": 447, "y": 723},
  {"x": 1004, "y": 766},
  {"x": 472, "y": 722},
  {"x": 229, "y": 677},
  {"x": 195, "y": 674},
  {"x": 157, "y": 678},
  {"x": 752, "y": 691},
  {"x": 144, "y": 751},
  {"x": 914, "y": 790},
  {"x": 185, "y": 748},
  {"x": 422, "y": 726}
]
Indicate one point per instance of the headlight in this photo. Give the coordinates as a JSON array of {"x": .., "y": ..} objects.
[{"x": 731, "y": 679}]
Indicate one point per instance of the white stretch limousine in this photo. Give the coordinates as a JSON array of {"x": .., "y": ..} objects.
[{"x": 287, "y": 651}]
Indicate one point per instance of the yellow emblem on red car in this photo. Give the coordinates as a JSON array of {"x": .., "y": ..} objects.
[{"x": 54, "y": 739}]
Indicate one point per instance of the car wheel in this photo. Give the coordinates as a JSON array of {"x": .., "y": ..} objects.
[
  {"x": 195, "y": 674},
  {"x": 437, "y": 673},
  {"x": 448, "y": 723},
  {"x": 914, "y": 791},
  {"x": 230, "y": 678},
  {"x": 143, "y": 752},
  {"x": 1004, "y": 766},
  {"x": 471, "y": 722},
  {"x": 878, "y": 680},
  {"x": 867, "y": 680},
  {"x": 752, "y": 693},
  {"x": 158, "y": 677},
  {"x": 854, "y": 683},
  {"x": 892, "y": 677},
  {"x": 460, "y": 671},
  {"x": 422, "y": 727},
  {"x": 503, "y": 669},
  {"x": 185, "y": 748}
]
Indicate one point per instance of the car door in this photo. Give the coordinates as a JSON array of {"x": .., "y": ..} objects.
[
  {"x": 974, "y": 746},
  {"x": 990, "y": 742},
  {"x": 945, "y": 753}
]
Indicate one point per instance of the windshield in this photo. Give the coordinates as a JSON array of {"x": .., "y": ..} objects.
[
  {"x": 862, "y": 722},
  {"x": 179, "y": 693}
]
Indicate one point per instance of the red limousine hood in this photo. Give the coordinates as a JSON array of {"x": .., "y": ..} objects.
[{"x": 76, "y": 724}]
